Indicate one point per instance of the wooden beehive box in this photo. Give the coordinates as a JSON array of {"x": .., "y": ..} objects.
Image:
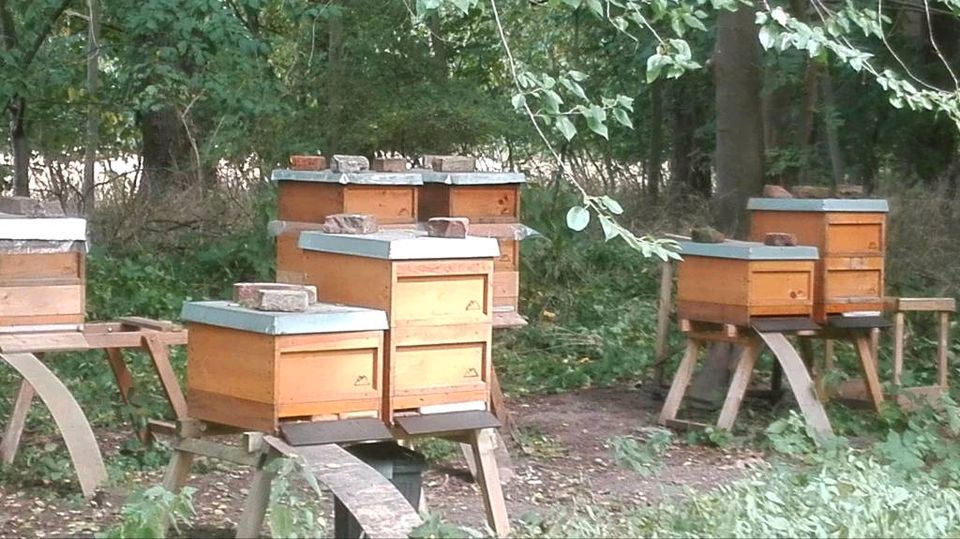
[
  {"x": 734, "y": 281},
  {"x": 437, "y": 293},
  {"x": 851, "y": 238},
  {"x": 253, "y": 369},
  {"x": 310, "y": 196},
  {"x": 482, "y": 197},
  {"x": 42, "y": 273}
]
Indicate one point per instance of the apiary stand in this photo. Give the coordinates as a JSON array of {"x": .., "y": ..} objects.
[{"x": 21, "y": 350}]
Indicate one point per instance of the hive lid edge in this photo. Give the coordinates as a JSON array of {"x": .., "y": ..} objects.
[
  {"x": 852, "y": 205},
  {"x": 230, "y": 315},
  {"x": 744, "y": 250},
  {"x": 347, "y": 178}
]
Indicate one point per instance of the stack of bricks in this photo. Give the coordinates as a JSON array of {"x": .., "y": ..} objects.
[{"x": 491, "y": 201}]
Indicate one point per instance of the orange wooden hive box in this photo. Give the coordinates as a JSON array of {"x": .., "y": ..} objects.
[
  {"x": 253, "y": 369},
  {"x": 851, "y": 238},
  {"x": 437, "y": 293},
  {"x": 487, "y": 199},
  {"x": 42, "y": 274},
  {"x": 307, "y": 197},
  {"x": 734, "y": 281}
]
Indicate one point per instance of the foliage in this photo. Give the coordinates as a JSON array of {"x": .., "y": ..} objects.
[
  {"x": 641, "y": 457},
  {"x": 149, "y": 513},
  {"x": 435, "y": 527},
  {"x": 288, "y": 515}
]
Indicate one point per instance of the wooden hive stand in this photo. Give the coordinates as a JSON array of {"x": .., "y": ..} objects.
[{"x": 21, "y": 350}]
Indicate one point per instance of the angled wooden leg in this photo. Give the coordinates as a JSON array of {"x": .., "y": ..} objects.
[
  {"x": 899, "y": 325},
  {"x": 868, "y": 366},
  {"x": 255, "y": 506},
  {"x": 18, "y": 419},
  {"x": 160, "y": 356},
  {"x": 671, "y": 405},
  {"x": 125, "y": 385},
  {"x": 738, "y": 385},
  {"x": 178, "y": 470},
  {"x": 943, "y": 349},
  {"x": 488, "y": 476}
]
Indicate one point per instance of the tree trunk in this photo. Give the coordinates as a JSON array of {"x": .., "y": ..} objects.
[
  {"x": 21, "y": 148},
  {"x": 656, "y": 140},
  {"x": 739, "y": 148},
  {"x": 167, "y": 155},
  {"x": 686, "y": 176},
  {"x": 808, "y": 113},
  {"x": 93, "y": 114},
  {"x": 334, "y": 76},
  {"x": 830, "y": 128}
]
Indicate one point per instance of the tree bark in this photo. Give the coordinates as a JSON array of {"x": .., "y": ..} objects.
[
  {"x": 686, "y": 174},
  {"x": 830, "y": 128},
  {"x": 334, "y": 76},
  {"x": 167, "y": 155},
  {"x": 739, "y": 142},
  {"x": 808, "y": 113},
  {"x": 656, "y": 140},
  {"x": 21, "y": 148},
  {"x": 93, "y": 113}
]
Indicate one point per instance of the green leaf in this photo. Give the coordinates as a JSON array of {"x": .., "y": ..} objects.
[
  {"x": 566, "y": 127},
  {"x": 573, "y": 3},
  {"x": 552, "y": 101},
  {"x": 574, "y": 88},
  {"x": 464, "y": 5},
  {"x": 768, "y": 37},
  {"x": 655, "y": 64},
  {"x": 518, "y": 100},
  {"x": 622, "y": 118},
  {"x": 610, "y": 229},
  {"x": 578, "y": 217},
  {"x": 611, "y": 204},
  {"x": 596, "y": 7},
  {"x": 577, "y": 75}
]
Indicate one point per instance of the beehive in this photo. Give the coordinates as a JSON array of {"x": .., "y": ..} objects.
[
  {"x": 734, "y": 281},
  {"x": 252, "y": 369},
  {"x": 310, "y": 196},
  {"x": 42, "y": 273},
  {"x": 851, "y": 238},
  {"x": 482, "y": 197},
  {"x": 437, "y": 293}
]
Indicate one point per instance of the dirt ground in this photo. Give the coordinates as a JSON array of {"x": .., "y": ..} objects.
[{"x": 562, "y": 460}]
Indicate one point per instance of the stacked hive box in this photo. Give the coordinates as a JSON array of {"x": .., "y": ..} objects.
[
  {"x": 735, "y": 281},
  {"x": 491, "y": 201},
  {"x": 41, "y": 273},
  {"x": 251, "y": 369},
  {"x": 851, "y": 238},
  {"x": 306, "y": 198},
  {"x": 437, "y": 293}
]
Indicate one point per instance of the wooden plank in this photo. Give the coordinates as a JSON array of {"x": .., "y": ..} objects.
[
  {"x": 488, "y": 477},
  {"x": 419, "y": 425},
  {"x": 377, "y": 505},
  {"x": 334, "y": 432},
  {"x": 683, "y": 424},
  {"x": 308, "y": 201},
  {"x": 868, "y": 366},
  {"x": 249, "y": 373},
  {"x": 671, "y": 405},
  {"x": 738, "y": 386},
  {"x": 207, "y": 448},
  {"x": 139, "y": 322},
  {"x": 18, "y": 419},
  {"x": 69, "y": 417},
  {"x": 43, "y": 342},
  {"x": 943, "y": 349},
  {"x": 926, "y": 304},
  {"x": 130, "y": 339},
  {"x": 178, "y": 470},
  {"x": 160, "y": 357},
  {"x": 803, "y": 387},
  {"x": 39, "y": 265},
  {"x": 227, "y": 409},
  {"x": 485, "y": 203},
  {"x": 26, "y": 301},
  {"x": 390, "y": 204}
]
